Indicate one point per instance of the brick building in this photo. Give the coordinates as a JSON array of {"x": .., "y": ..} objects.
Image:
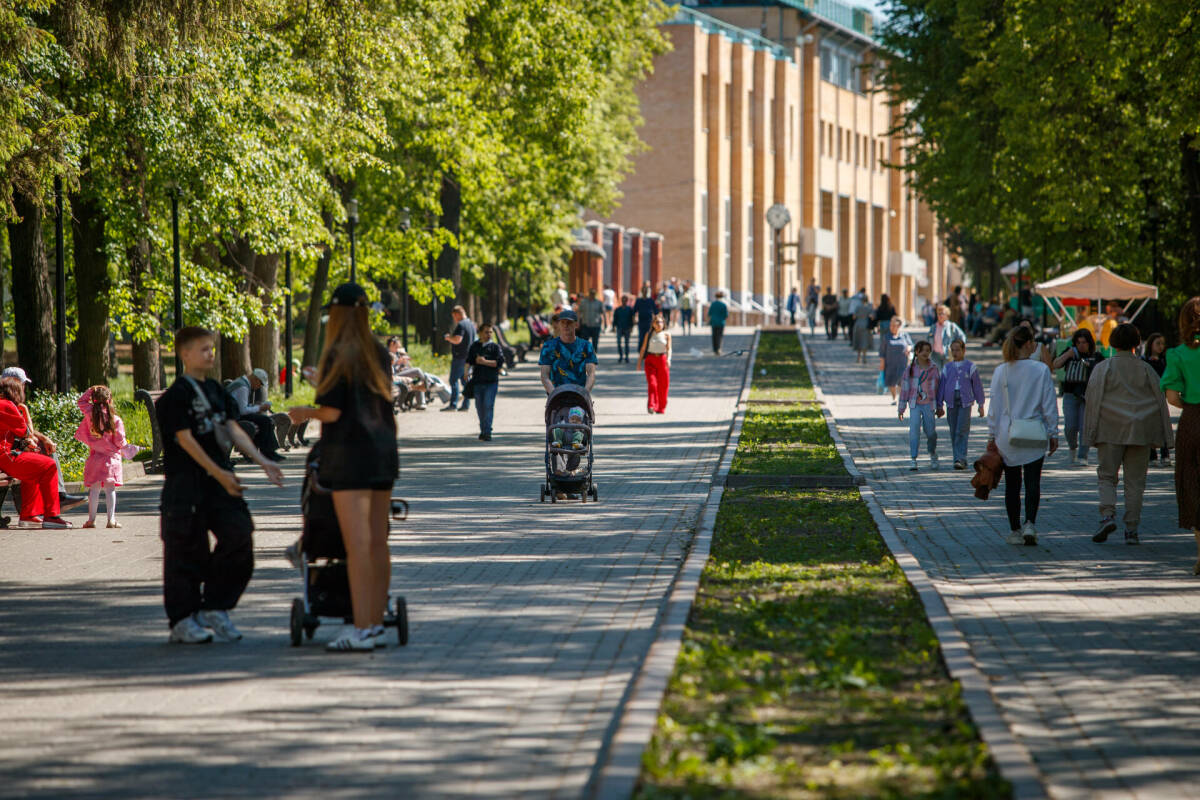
[{"x": 773, "y": 102}]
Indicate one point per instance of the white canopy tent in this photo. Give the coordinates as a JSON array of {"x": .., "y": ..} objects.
[
  {"x": 1095, "y": 283},
  {"x": 1013, "y": 267}
]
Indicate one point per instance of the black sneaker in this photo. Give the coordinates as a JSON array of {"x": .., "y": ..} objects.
[
  {"x": 1131, "y": 537},
  {"x": 487, "y": 437},
  {"x": 277, "y": 457},
  {"x": 1107, "y": 526}
]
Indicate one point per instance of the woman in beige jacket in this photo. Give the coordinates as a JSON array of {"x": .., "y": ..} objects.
[{"x": 1126, "y": 417}]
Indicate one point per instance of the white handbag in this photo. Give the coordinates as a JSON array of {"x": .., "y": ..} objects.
[{"x": 1026, "y": 431}]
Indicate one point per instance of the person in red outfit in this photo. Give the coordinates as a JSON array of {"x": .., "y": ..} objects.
[
  {"x": 37, "y": 473},
  {"x": 656, "y": 355}
]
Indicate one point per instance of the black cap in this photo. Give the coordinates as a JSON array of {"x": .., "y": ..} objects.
[{"x": 348, "y": 294}]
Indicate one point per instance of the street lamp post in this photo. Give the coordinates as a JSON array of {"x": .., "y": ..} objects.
[
  {"x": 287, "y": 324},
  {"x": 432, "y": 307},
  {"x": 1154, "y": 217},
  {"x": 405, "y": 224},
  {"x": 60, "y": 291},
  {"x": 177, "y": 281},
  {"x": 351, "y": 224}
]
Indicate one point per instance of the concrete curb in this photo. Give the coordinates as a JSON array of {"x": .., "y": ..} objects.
[
  {"x": 1012, "y": 758},
  {"x": 620, "y": 761}
]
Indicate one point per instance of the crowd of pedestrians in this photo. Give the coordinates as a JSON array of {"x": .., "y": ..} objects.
[{"x": 1116, "y": 404}]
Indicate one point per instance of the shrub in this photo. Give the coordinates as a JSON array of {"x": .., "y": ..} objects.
[{"x": 57, "y": 416}]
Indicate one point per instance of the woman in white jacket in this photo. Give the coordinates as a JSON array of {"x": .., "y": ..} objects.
[{"x": 1022, "y": 389}]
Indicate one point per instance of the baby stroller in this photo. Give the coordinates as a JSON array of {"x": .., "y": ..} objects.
[
  {"x": 322, "y": 557},
  {"x": 568, "y": 470}
]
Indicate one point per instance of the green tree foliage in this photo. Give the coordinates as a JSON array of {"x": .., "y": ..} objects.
[
  {"x": 1051, "y": 129},
  {"x": 265, "y": 117}
]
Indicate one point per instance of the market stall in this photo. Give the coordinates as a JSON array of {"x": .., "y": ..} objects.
[{"x": 1082, "y": 286}]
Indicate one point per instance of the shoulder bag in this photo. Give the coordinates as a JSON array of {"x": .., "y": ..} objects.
[{"x": 1024, "y": 431}]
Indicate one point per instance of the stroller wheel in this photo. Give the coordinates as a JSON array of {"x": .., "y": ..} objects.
[
  {"x": 297, "y": 622},
  {"x": 594, "y": 493},
  {"x": 553, "y": 496},
  {"x": 401, "y": 621}
]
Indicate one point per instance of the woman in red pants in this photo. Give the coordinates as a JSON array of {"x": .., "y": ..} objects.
[
  {"x": 37, "y": 473},
  {"x": 656, "y": 355}
]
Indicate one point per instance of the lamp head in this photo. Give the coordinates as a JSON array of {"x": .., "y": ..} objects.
[
  {"x": 405, "y": 220},
  {"x": 352, "y": 211}
]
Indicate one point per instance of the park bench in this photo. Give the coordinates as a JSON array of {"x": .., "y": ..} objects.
[{"x": 287, "y": 434}]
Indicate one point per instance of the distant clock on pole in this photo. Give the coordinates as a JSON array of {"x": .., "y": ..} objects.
[{"x": 778, "y": 216}]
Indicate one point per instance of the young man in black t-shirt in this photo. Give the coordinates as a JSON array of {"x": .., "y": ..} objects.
[{"x": 200, "y": 494}]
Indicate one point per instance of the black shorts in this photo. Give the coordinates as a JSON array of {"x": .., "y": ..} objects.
[{"x": 350, "y": 486}]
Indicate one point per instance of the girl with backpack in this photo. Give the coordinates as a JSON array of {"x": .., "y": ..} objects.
[
  {"x": 1077, "y": 361},
  {"x": 919, "y": 389}
]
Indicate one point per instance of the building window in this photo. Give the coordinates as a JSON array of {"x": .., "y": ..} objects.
[
  {"x": 839, "y": 140},
  {"x": 704, "y": 235},
  {"x": 751, "y": 119},
  {"x": 728, "y": 242},
  {"x": 729, "y": 111},
  {"x": 704, "y": 103},
  {"x": 827, "y": 210},
  {"x": 822, "y": 148},
  {"x": 843, "y": 67},
  {"x": 750, "y": 241},
  {"x": 774, "y": 119}
]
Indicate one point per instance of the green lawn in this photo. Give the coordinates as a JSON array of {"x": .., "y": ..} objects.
[
  {"x": 808, "y": 668},
  {"x": 786, "y": 440}
]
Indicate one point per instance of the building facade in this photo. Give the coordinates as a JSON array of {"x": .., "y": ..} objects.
[{"x": 773, "y": 103}]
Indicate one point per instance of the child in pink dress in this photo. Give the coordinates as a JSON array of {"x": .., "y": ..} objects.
[{"x": 104, "y": 434}]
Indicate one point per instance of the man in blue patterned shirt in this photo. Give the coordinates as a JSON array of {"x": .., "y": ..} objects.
[{"x": 567, "y": 358}]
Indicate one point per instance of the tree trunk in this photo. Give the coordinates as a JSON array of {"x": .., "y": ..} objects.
[
  {"x": 33, "y": 307},
  {"x": 237, "y": 257},
  {"x": 90, "y": 353},
  {"x": 312, "y": 327},
  {"x": 448, "y": 265},
  {"x": 264, "y": 339},
  {"x": 1190, "y": 162},
  {"x": 147, "y": 368}
]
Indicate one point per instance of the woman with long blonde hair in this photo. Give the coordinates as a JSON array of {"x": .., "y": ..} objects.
[{"x": 359, "y": 462}]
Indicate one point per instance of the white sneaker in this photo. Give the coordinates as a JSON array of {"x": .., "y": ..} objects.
[
  {"x": 1015, "y": 537},
  {"x": 222, "y": 626},
  {"x": 933, "y": 462},
  {"x": 913, "y": 466},
  {"x": 189, "y": 631},
  {"x": 379, "y": 635},
  {"x": 351, "y": 641},
  {"x": 1029, "y": 534},
  {"x": 1072, "y": 461}
]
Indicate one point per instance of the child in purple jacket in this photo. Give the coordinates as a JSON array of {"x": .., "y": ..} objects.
[
  {"x": 919, "y": 389},
  {"x": 959, "y": 389}
]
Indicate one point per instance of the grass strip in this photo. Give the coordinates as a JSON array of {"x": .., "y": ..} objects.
[{"x": 808, "y": 668}]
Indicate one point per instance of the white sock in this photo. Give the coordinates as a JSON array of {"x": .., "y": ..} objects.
[
  {"x": 110, "y": 502},
  {"x": 93, "y": 501}
]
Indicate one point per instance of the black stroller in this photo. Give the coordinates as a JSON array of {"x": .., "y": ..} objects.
[
  {"x": 322, "y": 557},
  {"x": 569, "y": 451}
]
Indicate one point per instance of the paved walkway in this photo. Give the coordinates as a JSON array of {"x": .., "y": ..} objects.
[
  {"x": 528, "y": 621},
  {"x": 1090, "y": 649}
]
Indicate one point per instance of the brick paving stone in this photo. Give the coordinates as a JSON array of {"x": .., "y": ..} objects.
[
  {"x": 527, "y": 621},
  {"x": 1088, "y": 648}
]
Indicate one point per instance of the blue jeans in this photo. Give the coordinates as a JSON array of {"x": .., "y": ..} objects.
[
  {"x": 960, "y": 429},
  {"x": 1073, "y": 410},
  {"x": 922, "y": 417},
  {"x": 623, "y": 335},
  {"x": 485, "y": 403},
  {"x": 458, "y": 368}
]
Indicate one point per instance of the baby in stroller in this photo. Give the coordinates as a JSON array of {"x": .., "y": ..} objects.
[
  {"x": 570, "y": 437},
  {"x": 569, "y": 420}
]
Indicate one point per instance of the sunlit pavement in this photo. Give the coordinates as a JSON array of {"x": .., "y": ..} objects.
[{"x": 528, "y": 620}]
